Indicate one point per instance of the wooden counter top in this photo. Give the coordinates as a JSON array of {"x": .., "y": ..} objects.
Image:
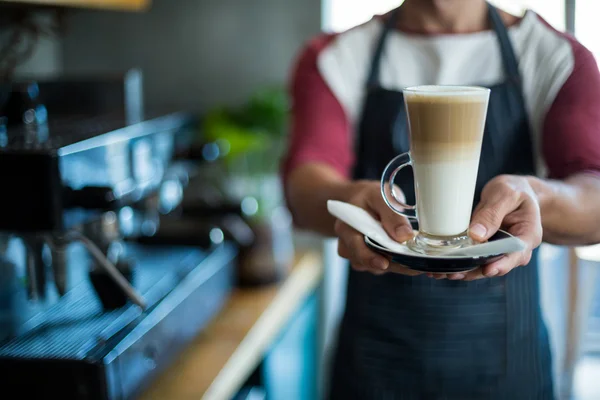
[{"x": 222, "y": 357}]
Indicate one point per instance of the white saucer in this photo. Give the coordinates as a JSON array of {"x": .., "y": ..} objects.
[{"x": 456, "y": 260}]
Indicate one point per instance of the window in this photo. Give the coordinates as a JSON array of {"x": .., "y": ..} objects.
[
  {"x": 553, "y": 11},
  {"x": 586, "y": 24}
]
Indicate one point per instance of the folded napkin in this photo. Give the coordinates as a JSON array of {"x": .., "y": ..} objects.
[{"x": 363, "y": 222}]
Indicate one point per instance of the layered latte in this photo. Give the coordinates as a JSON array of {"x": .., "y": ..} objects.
[{"x": 446, "y": 131}]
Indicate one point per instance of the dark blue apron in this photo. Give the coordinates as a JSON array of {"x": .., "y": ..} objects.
[{"x": 420, "y": 338}]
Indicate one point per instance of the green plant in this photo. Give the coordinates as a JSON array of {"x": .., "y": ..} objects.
[
  {"x": 254, "y": 135},
  {"x": 255, "y": 132}
]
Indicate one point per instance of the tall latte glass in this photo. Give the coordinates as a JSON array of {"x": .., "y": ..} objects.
[{"x": 446, "y": 125}]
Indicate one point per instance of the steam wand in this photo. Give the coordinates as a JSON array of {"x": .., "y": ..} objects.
[{"x": 109, "y": 267}]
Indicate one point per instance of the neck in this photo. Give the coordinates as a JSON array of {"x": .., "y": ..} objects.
[{"x": 444, "y": 16}]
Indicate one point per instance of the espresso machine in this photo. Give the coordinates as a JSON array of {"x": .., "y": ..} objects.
[{"x": 103, "y": 278}]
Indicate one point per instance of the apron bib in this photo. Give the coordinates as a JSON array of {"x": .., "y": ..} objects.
[{"x": 419, "y": 338}]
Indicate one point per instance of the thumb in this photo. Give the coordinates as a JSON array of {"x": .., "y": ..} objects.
[
  {"x": 397, "y": 226},
  {"x": 488, "y": 216}
]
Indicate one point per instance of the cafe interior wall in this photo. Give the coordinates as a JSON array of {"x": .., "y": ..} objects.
[
  {"x": 194, "y": 54},
  {"x": 45, "y": 59}
]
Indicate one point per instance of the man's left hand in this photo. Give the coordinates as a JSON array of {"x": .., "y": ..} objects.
[{"x": 507, "y": 202}]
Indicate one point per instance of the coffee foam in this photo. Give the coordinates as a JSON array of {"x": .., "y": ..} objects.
[{"x": 476, "y": 92}]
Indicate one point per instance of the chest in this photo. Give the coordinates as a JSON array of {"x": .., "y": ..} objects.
[{"x": 410, "y": 62}]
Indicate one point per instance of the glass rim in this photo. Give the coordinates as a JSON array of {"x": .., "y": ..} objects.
[{"x": 441, "y": 90}]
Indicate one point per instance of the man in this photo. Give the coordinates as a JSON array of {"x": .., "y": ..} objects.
[{"x": 478, "y": 335}]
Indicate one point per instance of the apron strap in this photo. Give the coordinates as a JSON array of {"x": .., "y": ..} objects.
[
  {"x": 373, "y": 79},
  {"x": 509, "y": 60}
]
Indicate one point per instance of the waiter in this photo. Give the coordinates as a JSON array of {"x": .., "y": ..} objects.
[{"x": 479, "y": 335}]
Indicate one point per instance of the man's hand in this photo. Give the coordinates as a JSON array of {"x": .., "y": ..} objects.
[
  {"x": 351, "y": 244},
  {"x": 507, "y": 202}
]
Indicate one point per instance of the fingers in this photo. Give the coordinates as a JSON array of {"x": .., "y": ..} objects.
[
  {"x": 397, "y": 226},
  {"x": 499, "y": 267},
  {"x": 508, "y": 201},
  {"x": 399, "y": 269},
  {"x": 437, "y": 276},
  {"x": 526, "y": 225},
  {"x": 506, "y": 264},
  {"x": 351, "y": 246},
  {"x": 473, "y": 275}
]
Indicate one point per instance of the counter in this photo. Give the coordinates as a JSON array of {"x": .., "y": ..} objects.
[{"x": 222, "y": 357}]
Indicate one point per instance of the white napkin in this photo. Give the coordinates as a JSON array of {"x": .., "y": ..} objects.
[{"x": 363, "y": 222}]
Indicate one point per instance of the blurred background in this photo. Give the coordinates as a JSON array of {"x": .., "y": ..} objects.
[{"x": 142, "y": 142}]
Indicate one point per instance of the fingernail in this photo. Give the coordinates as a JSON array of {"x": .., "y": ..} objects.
[
  {"x": 478, "y": 230},
  {"x": 457, "y": 277},
  {"x": 379, "y": 263},
  {"x": 404, "y": 231},
  {"x": 493, "y": 272}
]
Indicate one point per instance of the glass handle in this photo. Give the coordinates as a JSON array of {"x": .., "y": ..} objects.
[{"x": 388, "y": 190}]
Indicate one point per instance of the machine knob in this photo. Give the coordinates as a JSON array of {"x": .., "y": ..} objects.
[
  {"x": 91, "y": 197},
  {"x": 97, "y": 198}
]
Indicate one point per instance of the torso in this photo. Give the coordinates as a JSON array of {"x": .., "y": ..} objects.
[{"x": 415, "y": 337}]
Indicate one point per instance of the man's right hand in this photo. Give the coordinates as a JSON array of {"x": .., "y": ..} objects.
[{"x": 351, "y": 244}]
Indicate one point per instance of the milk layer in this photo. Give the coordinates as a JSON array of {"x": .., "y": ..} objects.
[{"x": 444, "y": 192}]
